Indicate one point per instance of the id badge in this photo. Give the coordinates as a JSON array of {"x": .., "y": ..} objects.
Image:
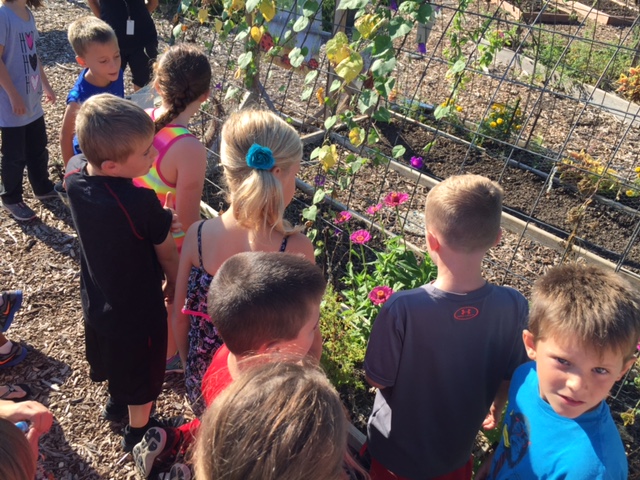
[{"x": 130, "y": 26}]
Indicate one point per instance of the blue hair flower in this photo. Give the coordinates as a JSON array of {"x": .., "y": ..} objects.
[{"x": 260, "y": 158}]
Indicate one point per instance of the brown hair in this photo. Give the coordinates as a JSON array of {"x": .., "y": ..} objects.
[
  {"x": 277, "y": 421},
  {"x": 595, "y": 306},
  {"x": 465, "y": 210},
  {"x": 256, "y": 195},
  {"x": 87, "y": 30},
  {"x": 16, "y": 456},
  {"x": 182, "y": 75},
  {"x": 258, "y": 298},
  {"x": 111, "y": 128},
  {"x": 30, "y": 3}
]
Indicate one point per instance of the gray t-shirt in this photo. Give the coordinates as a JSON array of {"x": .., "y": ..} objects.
[
  {"x": 442, "y": 357},
  {"x": 18, "y": 37}
]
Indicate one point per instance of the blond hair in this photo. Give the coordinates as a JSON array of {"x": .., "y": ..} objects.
[
  {"x": 256, "y": 195},
  {"x": 111, "y": 128},
  {"x": 16, "y": 456},
  {"x": 465, "y": 210},
  {"x": 87, "y": 30},
  {"x": 597, "y": 307},
  {"x": 277, "y": 421}
]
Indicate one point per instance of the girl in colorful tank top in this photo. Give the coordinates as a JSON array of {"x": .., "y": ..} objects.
[
  {"x": 261, "y": 156},
  {"x": 182, "y": 78}
]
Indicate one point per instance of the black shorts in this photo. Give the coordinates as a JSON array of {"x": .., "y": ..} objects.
[
  {"x": 133, "y": 366},
  {"x": 140, "y": 62}
]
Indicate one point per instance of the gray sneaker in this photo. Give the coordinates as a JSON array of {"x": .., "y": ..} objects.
[{"x": 20, "y": 211}]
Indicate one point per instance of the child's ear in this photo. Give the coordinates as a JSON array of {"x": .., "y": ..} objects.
[
  {"x": 529, "y": 344},
  {"x": 626, "y": 367},
  {"x": 81, "y": 61},
  {"x": 110, "y": 167},
  {"x": 432, "y": 242}
]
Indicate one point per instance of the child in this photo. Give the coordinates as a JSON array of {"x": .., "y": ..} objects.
[
  {"x": 24, "y": 136},
  {"x": 440, "y": 354},
  {"x": 126, "y": 245},
  {"x": 279, "y": 421},
  {"x": 261, "y": 156},
  {"x": 136, "y": 32},
  {"x": 182, "y": 77},
  {"x": 96, "y": 47},
  {"x": 16, "y": 457},
  {"x": 260, "y": 302},
  {"x": 10, "y": 353},
  {"x": 583, "y": 331}
]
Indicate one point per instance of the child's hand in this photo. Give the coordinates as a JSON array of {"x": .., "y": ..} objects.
[
  {"x": 492, "y": 420},
  {"x": 49, "y": 94},
  {"x": 17, "y": 104},
  {"x": 169, "y": 290},
  {"x": 170, "y": 204}
]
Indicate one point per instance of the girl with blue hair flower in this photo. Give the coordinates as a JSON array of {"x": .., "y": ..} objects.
[{"x": 261, "y": 156}]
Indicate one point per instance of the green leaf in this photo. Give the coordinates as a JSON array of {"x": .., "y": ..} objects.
[
  {"x": 383, "y": 68},
  {"x": 330, "y": 122},
  {"x": 458, "y": 66},
  {"x": 352, "y": 4},
  {"x": 441, "y": 112},
  {"x": 398, "y": 151},
  {"x": 318, "y": 196},
  {"x": 245, "y": 59},
  {"x": 398, "y": 27},
  {"x": 335, "y": 85},
  {"x": 407, "y": 7},
  {"x": 381, "y": 115},
  {"x": 381, "y": 45},
  {"x": 424, "y": 13},
  {"x": 427, "y": 148},
  {"x": 184, "y": 5},
  {"x": 373, "y": 135},
  {"x": 177, "y": 31},
  {"x": 231, "y": 92},
  {"x": 306, "y": 94},
  {"x": 310, "y": 213},
  {"x": 309, "y": 8},
  {"x": 250, "y": 5},
  {"x": 300, "y": 24},
  {"x": 367, "y": 99},
  {"x": 310, "y": 77},
  {"x": 295, "y": 57}
]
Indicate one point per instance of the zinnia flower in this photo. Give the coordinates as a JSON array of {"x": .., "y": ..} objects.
[
  {"x": 394, "y": 199},
  {"x": 342, "y": 217},
  {"x": 380, "y": 294},
  {"x": 417, "y": 162},
  {"x": 373, "y": 209},
  {"x": 360, "y": 237}
]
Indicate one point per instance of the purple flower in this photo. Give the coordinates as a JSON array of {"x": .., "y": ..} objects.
[
  {"x": 360, "y": 237},
  {"x": 417, "y": 162},
  {"x": 342, "y": 217},
  {"x": 422, "y": 49},
  {"x": 218, "y": 86},
  {"x": 319, "y": 180},
  {"x": 393, "y": 5},
  {"x": 395, "y": 199},
  {"x": 380, "y": 294},
  {"x": 373, "y": 209},
  {"x": 337, "y": 232}
]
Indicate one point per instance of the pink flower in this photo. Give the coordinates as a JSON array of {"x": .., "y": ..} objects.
[
  {"x": 373, "y": 209},
  {"x": 380, "y": 294},
  {"x": 342, "y": 217},
  {"x": 394, "y": 199},
  {"x": 417, "y": 162},
  {"x": 360, "y": 237}
]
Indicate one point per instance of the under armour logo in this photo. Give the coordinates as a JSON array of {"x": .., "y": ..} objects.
[{"x": 466, "y": 313}]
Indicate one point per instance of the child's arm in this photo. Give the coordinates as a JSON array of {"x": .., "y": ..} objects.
[
  {"x": 94, "y": 5},
  {"x": 373, "y": 383},
  {"x": 68, "y": 130},
  {"x": 17, "y": 103},
  {"x": 190, "y": 179},
  {"x": 168, "y": 257},
  {"x": 492, "y": 419},
  {"x": 46, "y": 88}
]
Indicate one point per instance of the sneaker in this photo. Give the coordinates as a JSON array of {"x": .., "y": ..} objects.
[
  {"x": 157, "y": 451},
  {"x": 19, "y": 211},
  {"x": 11, "y": 303},
  {"x": 174, "y": 365},
  {"x": 179, "y": 471},
  {"x": 14, "y": 357},
  {"x": 47, "y": 196},
  {"x": 114, "y": 412},
  {"x": 132, "y": 436}
]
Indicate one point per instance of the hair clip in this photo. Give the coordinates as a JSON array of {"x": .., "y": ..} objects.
[{"x": 260, "y": 158}]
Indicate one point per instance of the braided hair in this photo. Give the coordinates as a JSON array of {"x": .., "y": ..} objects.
[{"x": 182, "y": 75}]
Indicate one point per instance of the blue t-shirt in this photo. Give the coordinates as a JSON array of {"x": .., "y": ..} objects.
[
  {"x": 539, "y": 443},
  {"x": 82, "y": 90}
]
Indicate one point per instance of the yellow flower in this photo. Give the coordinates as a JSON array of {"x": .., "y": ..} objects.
[
  {"x": 630, "y": 193},
  {"x": 518, "y": 127},
  {"x": 493, "y": 124},
  {"x": 459, "y": 108},
  {"x": 637, "y": 169},
  {"x": 354, "y": 137},
  {"x": 256, "y": 34},
  {"x": 500, "y": 121},
  {"x": 320, "y": 96}
]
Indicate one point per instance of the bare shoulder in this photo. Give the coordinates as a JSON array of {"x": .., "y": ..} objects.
[{"x": 300, "y": 243}]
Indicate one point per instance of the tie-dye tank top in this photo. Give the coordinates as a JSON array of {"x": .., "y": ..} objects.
[{"x": 154, "y": 180}]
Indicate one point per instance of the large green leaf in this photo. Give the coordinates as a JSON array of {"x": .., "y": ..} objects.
[
  {"x": 245, "y": 59},
  {"x": 295, "y": 57},
  {"x": 300, "y": 24},
  {"x": 353, "y": 4},
  {"x": 399, "y": 27},
  {"x": 309, "y": 8},
  {"x": 383, "y": 68}
]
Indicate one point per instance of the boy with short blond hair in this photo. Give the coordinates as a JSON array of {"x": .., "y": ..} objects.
[
  {"x": 442, "y": 355},
  {"x": 96, "y": 47},
  {"x": 583, "y": 333},
  {"x": 127, "y": 254}
]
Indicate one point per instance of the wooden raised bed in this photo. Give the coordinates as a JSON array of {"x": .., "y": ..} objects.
[{"x": 558, "y": 11}]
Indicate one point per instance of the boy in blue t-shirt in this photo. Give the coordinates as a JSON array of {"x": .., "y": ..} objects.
[
  {"x": 96, "y": 47},
  {"x": 583, "y": 331}
]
